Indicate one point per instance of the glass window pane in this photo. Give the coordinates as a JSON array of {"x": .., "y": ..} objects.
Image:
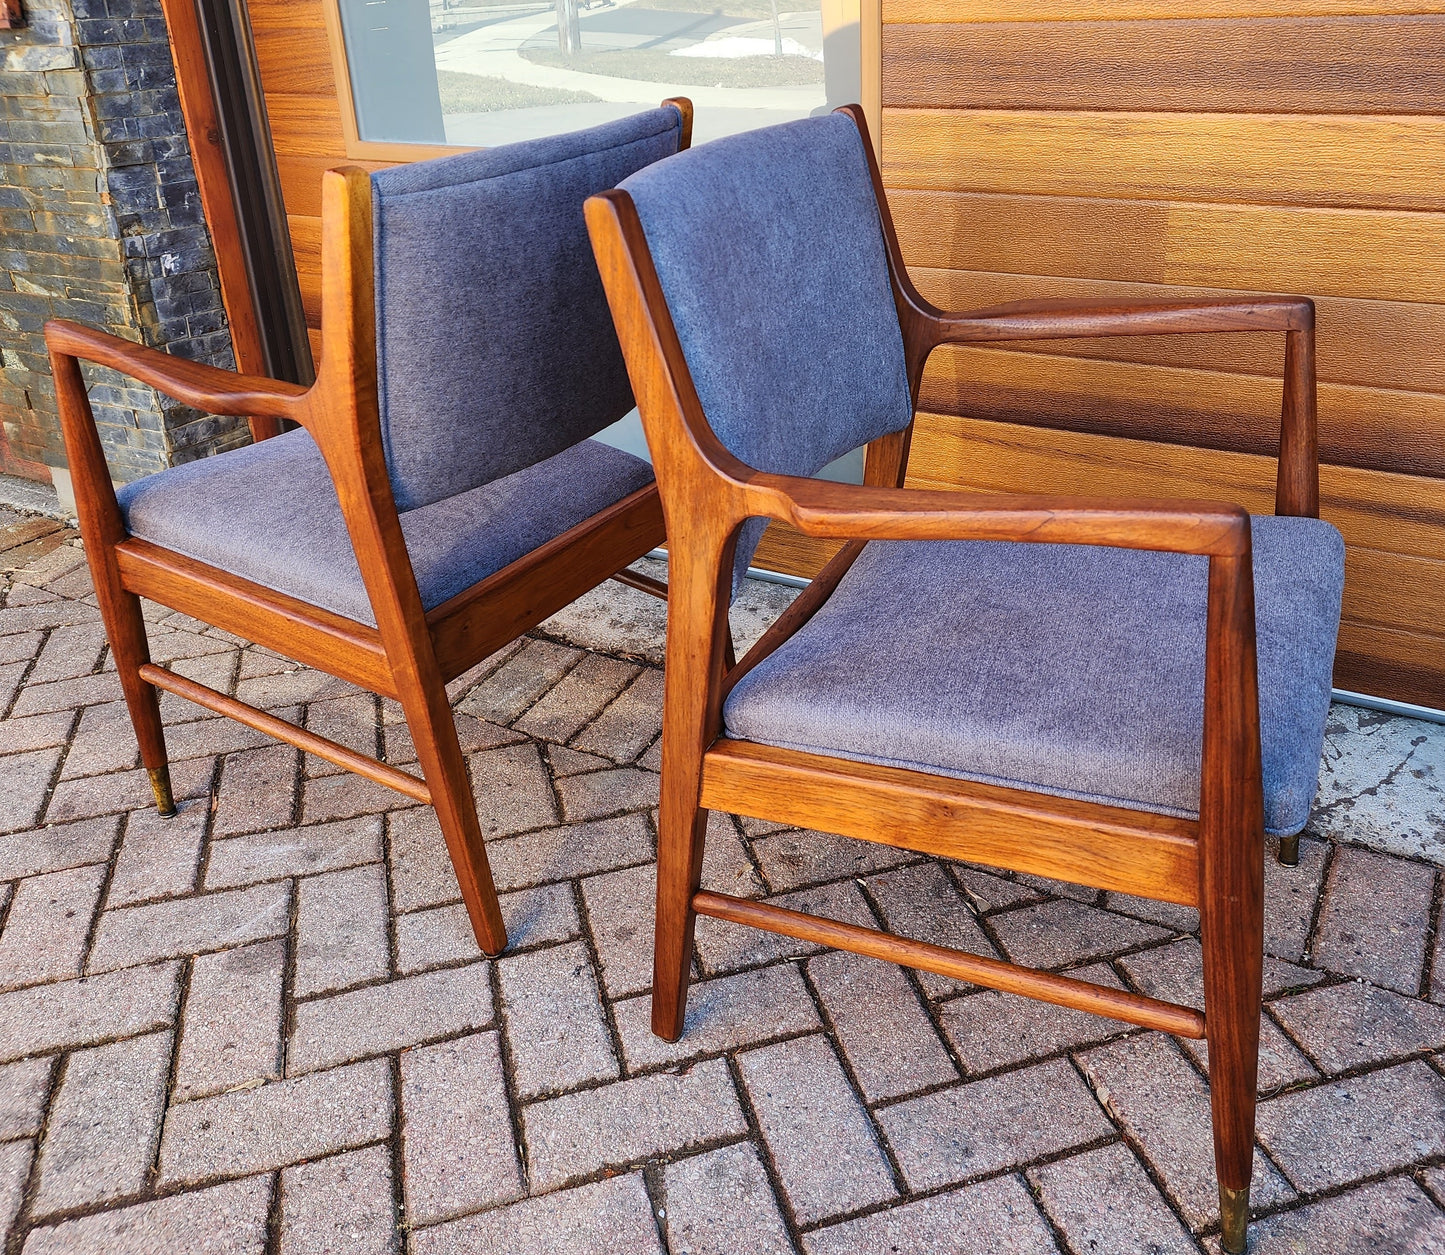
[{"x": 474, "y": 73}]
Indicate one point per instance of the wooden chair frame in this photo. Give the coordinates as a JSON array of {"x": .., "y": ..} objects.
[
  {"x": 1214, "y": 863},
  {"x": 412, "y": 653}
]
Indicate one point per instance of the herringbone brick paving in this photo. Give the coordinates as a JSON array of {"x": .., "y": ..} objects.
[{"x": 263, "y": 1026}]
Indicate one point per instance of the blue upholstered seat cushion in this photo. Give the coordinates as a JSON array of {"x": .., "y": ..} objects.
[
  {"x": 770, "y": 252},
  {"x": 495, "y": 347},
  {"x": 1064, "y": 669},
  {"x": 269, "y": 513}
]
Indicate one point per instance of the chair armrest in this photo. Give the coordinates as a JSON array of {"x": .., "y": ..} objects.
[
  {"x": 204, "y": 387},
  {"x": 1297, "y": 485},
  {"x": 851, "y": 511},
  {"x": 1057, "y": 320}
]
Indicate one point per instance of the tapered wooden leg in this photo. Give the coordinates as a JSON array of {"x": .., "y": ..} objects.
[
  {"x": 125, "y": 629},
  {"x": 102, "y": 528},
  {"x": 1232, "y": 989},
  {"x": 1232, "y": 927},
  {"x": 434, "y": 732},
  {"x": 1289, "y": 850},
  {"x": 699, "y": 647},
  {"x": 1231, "y": 883},
  {"x": 680, "y": 837}
]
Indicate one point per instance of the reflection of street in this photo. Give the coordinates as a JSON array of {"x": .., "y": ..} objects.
[
  {"x": 493, "y": 50},
  {"x": 632, "y": 26}
]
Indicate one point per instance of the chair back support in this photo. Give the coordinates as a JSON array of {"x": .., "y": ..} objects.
[
  {"x": 769, "y": 249},
  {"x": 495, "y": 348}
]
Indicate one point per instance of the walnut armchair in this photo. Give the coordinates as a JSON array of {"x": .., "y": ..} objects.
[
  {"x": 1118, "y": 693},
  {"x": 441, "y": 494}
]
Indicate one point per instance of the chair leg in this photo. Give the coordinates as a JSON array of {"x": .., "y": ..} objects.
[
  {"x": 1289, "y": 850},
  {"x": 699, "y": 647},
  {"x": 681, "y": 832},
  {"x": 434, "y": 732},
  {"x": 1232, "y": 928},
  {"x": 125, "y": 629}
]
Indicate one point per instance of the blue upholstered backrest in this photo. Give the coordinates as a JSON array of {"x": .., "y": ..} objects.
[
  {"x": 495, "y": 346},
  {"x": 770, "y": 252}
]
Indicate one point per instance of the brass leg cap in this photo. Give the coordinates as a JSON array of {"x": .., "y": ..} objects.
[
  {"x": 161, "y": 787},
  {"x": 1234, "y": 1219},
  {"x": 1289, "y": 850}
]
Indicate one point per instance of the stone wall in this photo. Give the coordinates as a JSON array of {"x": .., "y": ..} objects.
[{"x": 100, "y": 221}]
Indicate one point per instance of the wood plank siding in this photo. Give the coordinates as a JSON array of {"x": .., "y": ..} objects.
[
  {"x": 1077, "y": 148},
  {"x": 1084, "y": 148}
]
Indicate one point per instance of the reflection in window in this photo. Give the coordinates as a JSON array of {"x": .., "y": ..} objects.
[{"x": 469, "y": 72}]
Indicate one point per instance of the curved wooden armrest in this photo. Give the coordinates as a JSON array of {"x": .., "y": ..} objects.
[
  {"x": 206, "y": 388},
  {"x": 1057, "y": 320},
  {"x": 1297, "y": 489},
  {"x": 851, "y": 511}
]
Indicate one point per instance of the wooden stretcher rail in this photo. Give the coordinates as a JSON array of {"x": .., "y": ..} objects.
[
  {"x": 392, "y": 777},
  {"x": 644, "y": 583},
  {"x": 991, "y": 973}
]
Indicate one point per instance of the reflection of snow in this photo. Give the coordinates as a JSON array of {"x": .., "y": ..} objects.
[
  {"x": 741, "y": 46},
  {"x": 492, "y": 50}
]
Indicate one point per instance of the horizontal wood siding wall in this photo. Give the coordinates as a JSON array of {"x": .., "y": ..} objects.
[{"x": 1085, "y": 148}]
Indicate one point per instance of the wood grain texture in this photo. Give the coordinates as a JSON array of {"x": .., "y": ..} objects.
[
  {"x": 304, "y": 632},
  {"x": 103, "y": 527},
  {"x": 786, "y": 549},
  {"x": 1384, "y": 255},
  {"x": 1369, "y": 428},
  {"x": 306, "y": 248},
  {"x": 1231, "y": 883},
  {"x": 947, "y": 11},
  {"x": 293, "y": 60},
  {"x": 308, "y": 123},
  {"x": 1366, "y": 254},
  {"x": 1314, "y": 65},
  {"x": 1381, "y": 344},
  {"x": 268, "y": 15},
  {"x": 1391, "y": 513},
  {"x": 1154, "y": 856},
  {"x": 1395, "y": 590},
  {"x": 1407, "y": 666},
  {"x": 479, "y": 621},
  {"x": 301, "y": 173},
  {"x": 1265, "y": 159}
]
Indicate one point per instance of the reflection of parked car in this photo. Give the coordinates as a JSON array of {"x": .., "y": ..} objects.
[{"x": 597, "y": 4}]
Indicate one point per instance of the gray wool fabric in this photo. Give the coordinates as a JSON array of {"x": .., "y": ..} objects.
[
  {"x": 497, "y": 358},
  {"x": 495, "y": 346},
  {"x": 269, "y": 513},
  {"x": 1067, "y": 669},
  {"x": 770, "y": 252}
]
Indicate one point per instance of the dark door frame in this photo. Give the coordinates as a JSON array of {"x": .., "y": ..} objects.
[{"x": 230, "y": 138}]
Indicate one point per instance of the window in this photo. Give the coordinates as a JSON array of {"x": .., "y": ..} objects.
[{"x": 468, "y": 72}]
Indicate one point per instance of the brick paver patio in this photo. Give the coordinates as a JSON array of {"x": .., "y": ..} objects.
[{"x": 262, "y": 1026}]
